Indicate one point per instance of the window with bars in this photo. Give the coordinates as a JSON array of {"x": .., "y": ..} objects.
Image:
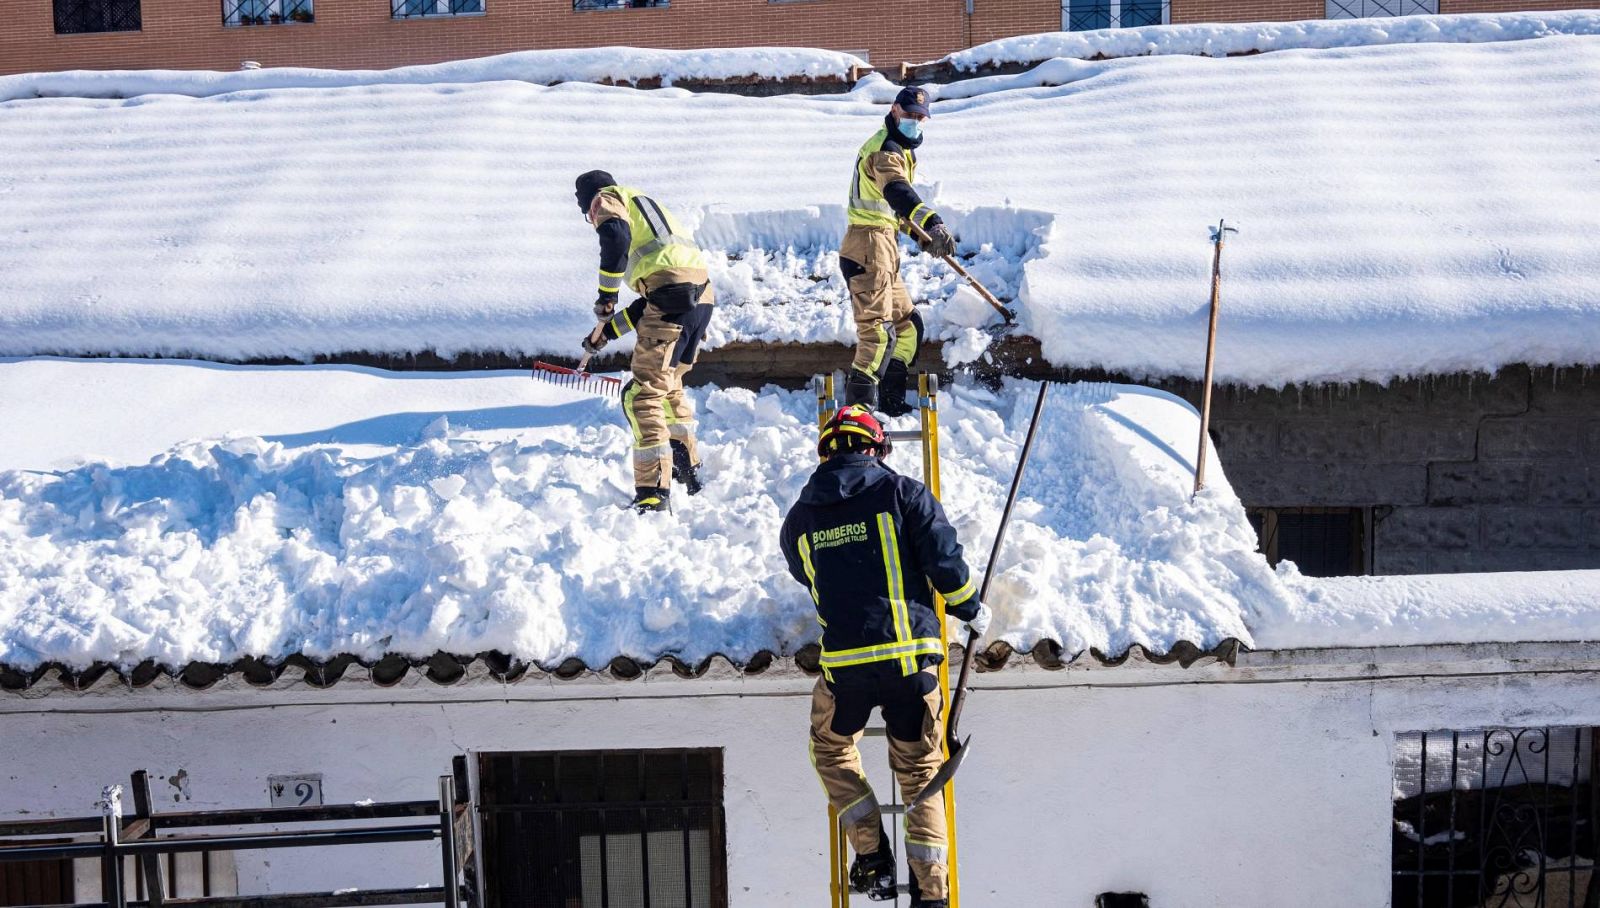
[
  {"x": 413, "y": 9},
  {"x": 77, "y": 17},
  {"x": 1322, "y": 542},
  {"x": 604, "y": 829},
  {"x": 618, "y": 4},
  {"x": 1502, "y": 817},
  {"x": 266, "y": 12},
  {"x": 1087, "y": 15},
  {"x": 1371, "y": 9}
]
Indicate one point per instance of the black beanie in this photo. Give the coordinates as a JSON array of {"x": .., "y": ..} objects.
[{"x": 589, "y": 185}]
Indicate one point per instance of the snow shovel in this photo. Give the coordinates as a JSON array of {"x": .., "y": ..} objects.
[
  {"x": 921, "y": 236},
  {"x": 579, "y": 379},
  {"x": 957, "y": 747}
]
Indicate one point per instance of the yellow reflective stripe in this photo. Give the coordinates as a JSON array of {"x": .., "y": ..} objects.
[
  {"x": 896, "y": 585},
  {"x": 621, "y": 319},
  {"x": 883, "y": 652},
  {"x": 926, "y": 216},
  {"x": 605, "y": 273},
  {"x": 811, "y": 574},
  {"x": 880, "y": 349},
  {"x": 961, "y": 595},
  {"x": 627, "y": 410},
  {"x": 610, "y": 281}
]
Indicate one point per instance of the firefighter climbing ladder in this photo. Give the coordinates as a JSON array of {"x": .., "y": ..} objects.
[{"x": 927, "y": 436}]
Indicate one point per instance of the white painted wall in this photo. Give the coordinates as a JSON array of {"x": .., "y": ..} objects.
[{"x": 1262, "y": 785}]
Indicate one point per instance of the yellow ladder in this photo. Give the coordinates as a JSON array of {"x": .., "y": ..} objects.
[{"x": 927, "y": 435}]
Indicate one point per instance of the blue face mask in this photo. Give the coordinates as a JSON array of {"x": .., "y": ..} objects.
[{"x": 911, "y": 129}]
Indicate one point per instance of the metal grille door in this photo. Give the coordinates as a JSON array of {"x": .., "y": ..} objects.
[
  {"x": 604, "y": 829},
  {"x": 1374, "y": 9}
]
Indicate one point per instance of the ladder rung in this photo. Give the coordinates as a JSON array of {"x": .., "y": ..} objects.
[
  {"x": 888, "y": 809},
  {"x": 905, "y": 435},
  {"x": 875, "y": 731}
]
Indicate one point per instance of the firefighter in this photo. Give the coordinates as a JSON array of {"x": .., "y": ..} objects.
[
  {"x": 888, "y": 328},
  {"x": 644, "y": 247},
  {"x": 872, "y": 546}
]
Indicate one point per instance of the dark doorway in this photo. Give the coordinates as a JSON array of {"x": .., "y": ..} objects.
[
  {"x": 36, "y": 882},
  {"x": 604, "y": 829}
]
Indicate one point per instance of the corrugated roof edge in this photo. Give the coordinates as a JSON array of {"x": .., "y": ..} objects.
[{"x": 447, "y": 668}]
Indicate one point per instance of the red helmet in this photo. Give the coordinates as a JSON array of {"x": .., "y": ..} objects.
[{"x": 853, "y": 428}]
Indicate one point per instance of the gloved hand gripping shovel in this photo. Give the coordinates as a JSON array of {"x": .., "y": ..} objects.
[
  {"x": 957, "y": 747},
  {"x": 921, "y": 236},
  {"x": 580, "y": 379}
]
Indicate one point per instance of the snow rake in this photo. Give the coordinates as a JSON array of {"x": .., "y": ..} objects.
[
  {"x": 921, "y": 236},
  {"x": 958, "y": 748},
  {"x": 580, "y": 379}
]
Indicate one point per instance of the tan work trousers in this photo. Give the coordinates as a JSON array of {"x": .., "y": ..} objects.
[
  {"x": 878, "y": 300},
  {"x": 654, "y": 403},
  {"x": 914, "y": 763}
]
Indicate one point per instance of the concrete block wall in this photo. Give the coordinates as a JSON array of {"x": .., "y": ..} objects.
[{"x": 1465, "y": 472}]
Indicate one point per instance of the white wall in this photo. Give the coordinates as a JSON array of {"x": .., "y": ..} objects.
[{"x": 1264, "y": 785}]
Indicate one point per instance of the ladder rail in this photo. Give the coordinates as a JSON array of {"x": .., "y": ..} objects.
[{"x": 927, "y": 437}]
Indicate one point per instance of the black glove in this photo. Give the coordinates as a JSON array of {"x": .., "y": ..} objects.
[
  {"x": 605, "y": 305},
  {"x": 594, "y": 342},
  {"x": 939, "y": 241}
]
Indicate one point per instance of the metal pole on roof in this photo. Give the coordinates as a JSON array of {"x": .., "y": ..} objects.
[{"x": 1218, "y": 236}]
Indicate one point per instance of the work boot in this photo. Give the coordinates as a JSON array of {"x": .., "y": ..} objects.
[
  {"x": 682, "y": 470},
  {"x": 874, "y": 873},
  {"x": 646, "y": 498},
  {"x": 892, "y": 390},
  {"x": 860, "y": 389}
]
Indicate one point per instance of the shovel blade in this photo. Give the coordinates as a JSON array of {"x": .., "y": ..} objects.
[{"x": 944, "y": 775}]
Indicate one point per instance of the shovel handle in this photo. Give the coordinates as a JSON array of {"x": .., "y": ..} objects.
[{"x": 921, "y": 236}]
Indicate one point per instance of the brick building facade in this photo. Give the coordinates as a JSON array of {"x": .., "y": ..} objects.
[{"x": 46, "y": 35}]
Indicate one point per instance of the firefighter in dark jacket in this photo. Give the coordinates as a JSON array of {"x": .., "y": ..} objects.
[
  {"x": 882, "y": 203},
  {"x": 643, "y": 246},
  {"x": 873, "y": 546}
]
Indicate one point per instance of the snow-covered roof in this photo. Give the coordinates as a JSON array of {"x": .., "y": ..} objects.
[
  {"x": 1405, "y": 210},
  {"x": 1222, "y": 39},
  {"x": 603, "y": 65},
  {"x": 196, "y": 520}
]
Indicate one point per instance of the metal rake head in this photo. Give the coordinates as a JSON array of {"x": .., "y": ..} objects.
[{"x": 587, "y": 382}]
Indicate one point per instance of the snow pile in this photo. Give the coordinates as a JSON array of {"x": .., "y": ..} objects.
[
  {"x": 1438, "y": 608},
  {"x": 1404, "y": 210},
  {"x": 1224, "y": 39},
  {"x": 614, "y": 65},
  {"x": 506, "y": 534}
]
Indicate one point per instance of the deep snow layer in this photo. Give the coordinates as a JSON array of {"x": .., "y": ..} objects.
[
  {"x": 419, "y": 528},
  {"x": 1405, "y": 209},
  {"x": 1219, "y": 39},
  {"x": 541, "y": 67},
  {"x": 354, "y": 510}
]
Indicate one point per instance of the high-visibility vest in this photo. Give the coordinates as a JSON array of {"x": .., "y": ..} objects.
[
  {"x": 658, "y": 242},
  {"x": 868, "y": 207}
]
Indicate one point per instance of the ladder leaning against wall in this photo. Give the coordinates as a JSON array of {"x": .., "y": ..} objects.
[{"x": 927, "y": 436}]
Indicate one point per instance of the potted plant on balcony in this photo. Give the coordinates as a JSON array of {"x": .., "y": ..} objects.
[
  {"x": 300, "y": 15},
  {"x": 277, "y": 18}
]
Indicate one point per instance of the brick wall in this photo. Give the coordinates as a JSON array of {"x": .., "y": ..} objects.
[
  {"x": 1481, "y": 473},
  {"x": 993, "y": 19},
  {"x": 1246, "y": 10},
  {"x": 361, "y": 34}
]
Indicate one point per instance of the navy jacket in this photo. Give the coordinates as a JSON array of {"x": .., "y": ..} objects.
[{"x": 868, "y": 542}]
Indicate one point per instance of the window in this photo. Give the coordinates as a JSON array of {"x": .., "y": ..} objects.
[
  {"x": 617, "y": 4},
  {"x": 604, "y": 829},
  {"x": 409, "y": 9},
  {"x": 36, "y": 882},
  {"x": 265, "y": 12},
  {"x": 76, "y": 17},
  {"x": 1498, "y": 816},
  {"x": 1087, "y": 15},
  {"x": 1369, "y": 9},
  {"x": 1322, "y": 542}
]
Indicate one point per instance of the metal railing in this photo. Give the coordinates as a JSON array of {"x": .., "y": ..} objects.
[
  {"x": 1088, "y": 15},
  {"x": 618, "y": 4},
  {"x": 266, "y": 12},
  {"x": 76, "y": 17},
  {"x": 447, "y": 820},
  {"x": 1496, "y": 818},
  {"x": 413, "y": 9}
]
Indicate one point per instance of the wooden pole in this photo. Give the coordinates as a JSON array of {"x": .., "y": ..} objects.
[{"x": 1218, "y": 235}]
